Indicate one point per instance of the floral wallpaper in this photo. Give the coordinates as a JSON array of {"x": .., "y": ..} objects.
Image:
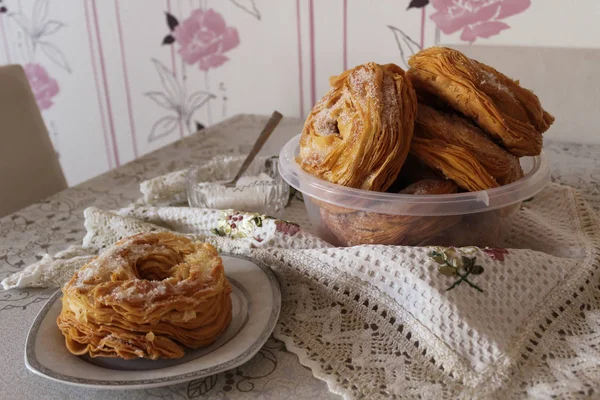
[
  {"x": 202, "y": 39},
  {"x": 116, "y": 79},
  {"x": 475, "y": 18},
  {"x": 44, "y": 87}
]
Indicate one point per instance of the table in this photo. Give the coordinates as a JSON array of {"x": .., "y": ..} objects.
[{"x": 55, "y": 223}]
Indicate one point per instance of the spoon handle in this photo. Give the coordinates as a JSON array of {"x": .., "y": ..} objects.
[{"x": 264, "y": 135}]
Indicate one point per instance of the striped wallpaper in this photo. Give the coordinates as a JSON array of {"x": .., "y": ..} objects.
[{"x": 116, "y": 79}]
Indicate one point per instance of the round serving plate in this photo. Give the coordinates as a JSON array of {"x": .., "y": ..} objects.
[{"x": 256, "y": 302}]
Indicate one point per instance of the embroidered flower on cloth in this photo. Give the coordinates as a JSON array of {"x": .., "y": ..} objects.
[
  {"x": 240, "y": 225},
  {"x": 459, "y": 262},
  {"x": 287, "y": 228},
  {"x": 495, "y": 253}
]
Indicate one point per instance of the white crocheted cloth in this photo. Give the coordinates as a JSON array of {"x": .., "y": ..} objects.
[{"x": 378, "y": 321}]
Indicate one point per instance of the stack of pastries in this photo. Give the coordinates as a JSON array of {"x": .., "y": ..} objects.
[
  {"x": 151, "y": 295},
  {"x": 448, "y": 124}
]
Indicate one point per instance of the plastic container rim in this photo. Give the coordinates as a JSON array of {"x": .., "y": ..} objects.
[{"x": 407, "y": 204}]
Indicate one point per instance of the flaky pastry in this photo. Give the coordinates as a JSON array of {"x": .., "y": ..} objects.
[
  {"x": 146, "y": 297},
  {"x": 457, "y": 130},
  {"x": 455, "y": 162},
  {"x": 363, "y": 227},
  {"x": 499, "y": 105},
  {"x": 359, "y": 134}
]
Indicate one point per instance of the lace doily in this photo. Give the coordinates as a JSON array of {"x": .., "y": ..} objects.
[{"x": 412, "y": 322}]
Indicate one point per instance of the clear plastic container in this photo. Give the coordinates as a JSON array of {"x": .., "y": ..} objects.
[
  {"x": 347, "y": 216},
  {"x": 260, "y": 189}
]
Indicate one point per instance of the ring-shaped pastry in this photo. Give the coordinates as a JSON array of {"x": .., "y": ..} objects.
[{"x": 148, "y": 296}]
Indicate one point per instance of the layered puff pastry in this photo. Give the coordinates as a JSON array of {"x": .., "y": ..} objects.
[
  {"x": 358, "y": 135},
  {"x": 149, "y": 296},
  {"x": 455, "y": 162},
  {"x": 362, "y": 227},
  {"x": 453, "y": 145},
  {"x": 506, "y": 111}
]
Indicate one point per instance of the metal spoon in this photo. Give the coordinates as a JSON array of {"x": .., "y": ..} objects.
[{"x": 262, "y": 138}]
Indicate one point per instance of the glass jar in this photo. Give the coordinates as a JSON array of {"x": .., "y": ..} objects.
[{"x": 261, "y": 189}]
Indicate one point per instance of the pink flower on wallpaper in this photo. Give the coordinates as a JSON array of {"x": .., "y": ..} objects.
[
  {"x": 44, "y": 88},
  {"x": 476, "y": 18},
  {"x": 204, "y": 38}
]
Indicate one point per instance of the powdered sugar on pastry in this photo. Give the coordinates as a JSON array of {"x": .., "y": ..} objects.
[
  {"x": 373, "y": 108},
  {"x": 491, "y": 79},
  {"x": 158, "y": 283}
]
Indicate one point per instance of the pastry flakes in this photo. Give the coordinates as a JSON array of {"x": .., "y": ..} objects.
[
  {"x": 359, "y": 134},
  {"x": 456, "y": 130},
  {"x": 455, "y": 162},
  {"x": 500, "y": 106},
  {"x": 149, "y": 296}
]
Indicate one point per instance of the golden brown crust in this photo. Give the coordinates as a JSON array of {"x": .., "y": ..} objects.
[
  {"x": 501, "y": 107},
  {"x": 146, "y": 297},
  {"x": 359, "y": 134},
  {"x": 361, "y": 227},
  {"x": 455, "y": 162},
  {"x": 454, "y": 129}
]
